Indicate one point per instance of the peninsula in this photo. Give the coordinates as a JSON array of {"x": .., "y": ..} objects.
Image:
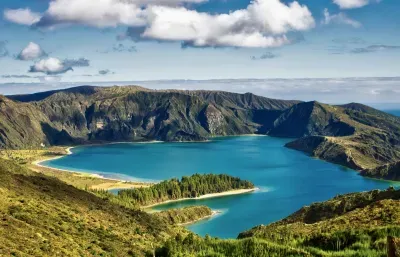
[{"x": 196, "y": 186}]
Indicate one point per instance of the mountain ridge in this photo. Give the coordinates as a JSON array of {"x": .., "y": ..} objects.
[{"x": 353, "y": 135}]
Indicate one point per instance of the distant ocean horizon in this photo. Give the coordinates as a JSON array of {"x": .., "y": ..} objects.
[
  {"x": 393, "y": 112},
  {"x": 376, "y": 92}
]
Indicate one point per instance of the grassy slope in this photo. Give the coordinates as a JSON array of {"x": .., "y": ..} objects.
[
  {"x": 79, "y": 180},
  {"x": 42, "y": 216},
  {"x": 349, "y": 225},
  {"x": 355, "y": 224},
  {"x": 375, "y": 140},
  {"x": 390, "y": 171}
]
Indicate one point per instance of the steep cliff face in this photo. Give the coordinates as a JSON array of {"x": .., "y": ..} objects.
[
  {"x": 22, "y": 125},
  {"x": 389, "y": 171},
  {"x": 94, "y": 114},
  {"x": 310, "y": 118}
]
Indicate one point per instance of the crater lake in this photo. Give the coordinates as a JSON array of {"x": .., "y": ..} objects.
[{"x": 287, "y": 179}]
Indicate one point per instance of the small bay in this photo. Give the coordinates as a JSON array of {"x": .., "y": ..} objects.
[{"x": 287, "y": 179}]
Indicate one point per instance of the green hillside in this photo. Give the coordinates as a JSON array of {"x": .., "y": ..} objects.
[
  {"x": 42, "y": 216},
  {"x": 355, "y": 224}
]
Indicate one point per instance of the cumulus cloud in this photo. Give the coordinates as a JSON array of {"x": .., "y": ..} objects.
[
  {"x": 350, "y": 4},
  {"x": 31, "y": 52},
  {"x": 3, "y": 49},
  {"x": 267, "y": 55},
  {"x": 22, "y": 16},
  {"x": 374, "y": 48},
  {"x": 50, "y": 66},
  {"x": 105, "y": 72},
  {"x": 105, "y": 13},
  {"x": 339, "y": 18},
  {"x": 53, "y": 66},
  {"x": 264, "y": 23}
]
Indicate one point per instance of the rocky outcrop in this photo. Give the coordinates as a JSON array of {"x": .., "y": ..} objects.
[
  {"x": 390, "y": 171},
  {"x": 214, "y": 120},
  {"x": 326, "y": 149}
]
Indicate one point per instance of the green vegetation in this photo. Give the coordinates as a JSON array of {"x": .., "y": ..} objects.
[
  {"x": 42, "y": 216},
  {"x": 353, "y": 135},
  {"x": 184, "y": 215},
  {"x": 188, "y": 187},
  {"x": 340, "y": 205},
  {"x": 194, "y": 246},
  {"x": 27, "y": 158},
  {"x": 349, "y": 243},
  {"x": 390, "y": 171},
  {"x": 348, "y": 225}
]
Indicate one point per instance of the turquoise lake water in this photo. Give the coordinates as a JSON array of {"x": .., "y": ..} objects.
[{"x": 288, "y": 179}]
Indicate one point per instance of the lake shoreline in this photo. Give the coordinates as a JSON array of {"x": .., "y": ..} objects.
[
  {"x": 206, "y": 196},
  {"x": 109, "y": 184},
  {"x": 121, "y": 183},
  {"x": 213, "y": 214},
  {"x": 69, "y": 152}
]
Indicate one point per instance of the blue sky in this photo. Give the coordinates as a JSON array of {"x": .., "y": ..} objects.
[{"x": 88, "y": 40}]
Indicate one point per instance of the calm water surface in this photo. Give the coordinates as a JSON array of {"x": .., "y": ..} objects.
[
  {"x": 394, "y": 112},
  {"x": 288, "y": 179}
]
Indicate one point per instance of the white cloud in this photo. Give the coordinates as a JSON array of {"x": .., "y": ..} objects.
[
  {"x": 264, "y": 23},
  {"x": 350, "y": 4},
  {"x": 50, "y": 66},
  {"x": 104, "y": 13},
  {"x": 31, "y": 52},
  {"x": 339, "y": 18},
  {"x": 22, "y": 16}
]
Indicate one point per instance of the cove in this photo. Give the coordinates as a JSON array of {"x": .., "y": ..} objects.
[{"x": 288, "y": 179}]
